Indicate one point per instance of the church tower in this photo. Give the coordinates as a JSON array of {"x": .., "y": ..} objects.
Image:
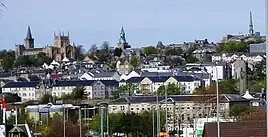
[
  {"x": 251, "y": 29},
  {"x": 122, "y": 43},
  {"x": 29, "y": 40}
]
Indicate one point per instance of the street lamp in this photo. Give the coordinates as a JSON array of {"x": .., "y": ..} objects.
[{"x": 218, "y": 106}]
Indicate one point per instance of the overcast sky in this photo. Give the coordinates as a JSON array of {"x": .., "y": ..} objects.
[{"x": 145, "y": 21}]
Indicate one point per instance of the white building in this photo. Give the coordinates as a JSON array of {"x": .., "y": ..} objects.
[
  {"x": 186, "y": 107},
  {"x": 26, "y": 90}
]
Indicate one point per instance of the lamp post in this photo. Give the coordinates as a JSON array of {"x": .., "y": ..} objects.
[
  {"x": 158, "y": 116},
  {"x": 218, "y": 105},
  {"x": 153, "y": 119},
  {"x": 166, "y": 110}
]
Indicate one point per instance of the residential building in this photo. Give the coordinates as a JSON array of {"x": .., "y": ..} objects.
[
  {"x": 149, "y": 85},
  {"x": 183, "y": 108},
  {"x": 26, "y": 90},
  {"x": 94, "y": 89}
]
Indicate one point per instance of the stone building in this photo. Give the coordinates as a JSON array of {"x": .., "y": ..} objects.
[{"x": 60, "y": 49}]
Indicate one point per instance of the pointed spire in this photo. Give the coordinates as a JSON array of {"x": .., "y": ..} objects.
[
  {"x": 29, "y": 33},
  {"x": 122, "y": 30},
  {"x": 251, "y": 29}
]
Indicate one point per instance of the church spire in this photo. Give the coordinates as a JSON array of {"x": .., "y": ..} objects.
[
  {"x": 122, "y": 36},
  {"x": 29, "y": 33},
  {"x": 251, "y": 29}
]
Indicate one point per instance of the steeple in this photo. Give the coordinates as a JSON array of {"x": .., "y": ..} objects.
[
  {"x": 29, "y": 33},
  {"x": 251, "y": 29},
  {"x": 122, "y": 36},
  {"x": 29, "y": 40}
]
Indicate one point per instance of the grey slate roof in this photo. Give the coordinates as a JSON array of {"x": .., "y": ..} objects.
[
  {"x": 21, "y": 84},
  {"x": 105, "y": 74},
  {"x": 179, "y": 98}
]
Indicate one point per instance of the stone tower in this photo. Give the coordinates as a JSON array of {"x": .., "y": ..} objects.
[
  {"x": 63, "y": 48},
  {"x": 29, "y": 40},
  {"x": 251, "y": 29}
]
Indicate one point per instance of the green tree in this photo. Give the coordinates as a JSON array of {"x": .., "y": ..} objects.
[
  {"x": 131, "y": 123},
  {"x": 78, "y": 92},
  {"x": 93, "y": 49},
  {"x": 129, "y": 89},
  {"x": 24, "y": 61},
  {"x": 232, "y": 47},
  {"x": 171, "y": 89},
  {"x": 239, "y": 110},
  {"x": 134, "y": 62},
  {"x": 150, "y": 50},
  {"x": 40, "y": 59},
  {"x": 8, "y": 62},
  {"x": 191, "y": 59},
  {"x": 45, "y": 99},
  {"x": 80, "y": 52},
  {"x": 23, "y": 118}
]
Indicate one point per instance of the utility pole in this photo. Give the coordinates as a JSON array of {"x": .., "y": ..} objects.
[
  {"x": 153, "y": 120},
  {"x": 101, "y": 113},
  {"x": 80, "y": 123},
  {"x": 158, "y": 117},
  {"x": 166, "y": 111}
]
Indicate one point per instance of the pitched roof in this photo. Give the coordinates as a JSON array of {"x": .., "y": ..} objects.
[
  {"x": 110, "y": 82},
  {"x": 176, "y": 98},
  {"x": 21, "y": 84},
  {"x": 236, "y": 129},
  {"x": 62, "y": 83}
]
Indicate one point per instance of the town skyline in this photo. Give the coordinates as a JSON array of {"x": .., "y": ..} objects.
[{"x": 145, "y": 27}]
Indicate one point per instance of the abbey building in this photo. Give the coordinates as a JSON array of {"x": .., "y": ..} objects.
[{"x": 60, "y": 49}]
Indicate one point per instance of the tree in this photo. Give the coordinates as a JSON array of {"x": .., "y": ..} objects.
[
  {"x": 191, "y": 59},
  {"x": 131, "y": 123},
  {"x": 225, "y": 87},
  {"x": 40, "y": 59},
  {"x": 78, "y": 92},
  {"x": 150, "y": 50},
  {"x": 129, "y": 89},
  {"x": 105, "y": 46},
  {"x": 45, "y": 99},
  {"x": 23, "y": 61},
  {"x": 23, "y": 117},
  {"x": 55, "y": 127},
  {"x": 239, "y": 110},
  {"x": 93, "y": 49},
  {"x": 8, "y": 62},
  {"x": 233, "y": 47},
  {"x": 171, "y": 89},
  {"x": 80, "y": 52},
  {"x": 134, "y": 62}
]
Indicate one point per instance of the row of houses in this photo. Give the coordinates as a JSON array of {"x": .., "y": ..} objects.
[
  {"x": 34, "y": 90},
  {"x": 149, "y": 85}
]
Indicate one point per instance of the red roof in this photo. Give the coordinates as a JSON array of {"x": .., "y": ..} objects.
[{"x": 56, "y": 76}]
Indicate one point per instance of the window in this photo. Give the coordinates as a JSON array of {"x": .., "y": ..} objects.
[{"x": 24, "y": 94}]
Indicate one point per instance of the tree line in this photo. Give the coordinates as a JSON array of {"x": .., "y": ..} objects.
[{"x": 132, "y": 124}]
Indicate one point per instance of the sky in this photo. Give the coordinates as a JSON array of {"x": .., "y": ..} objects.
[{"x": 145, "y": 21}]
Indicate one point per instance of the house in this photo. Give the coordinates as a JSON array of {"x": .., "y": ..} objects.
[
  {"x": 133, "y": 73},
  {"x": 150, "y": 85},
  {"x": 108, "y": 75},
  {"x": 236, "y": 129},
  {"x": 26, "y": 90},
  {"x": 94, "y": 89},
  {"x": 218, "y": 71},
  {"x": 180, "y": 107}
]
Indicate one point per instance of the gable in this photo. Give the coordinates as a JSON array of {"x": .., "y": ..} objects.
[
  {"x": 171, "y": 80},
  {"x": 146, "y": 81}
]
